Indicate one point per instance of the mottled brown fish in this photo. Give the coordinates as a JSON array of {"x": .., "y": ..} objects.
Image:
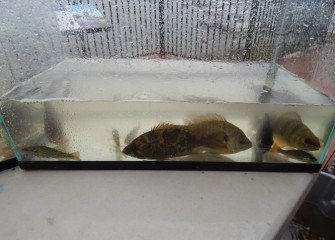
[
  {"x": 47, "y": 152},
  {"x": 205, "y": 133},
  {"x": 289, "y": 130}
]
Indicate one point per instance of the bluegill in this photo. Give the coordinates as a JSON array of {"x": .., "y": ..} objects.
[
  {"x": 47, "y": 152},
  {"x": 210, "y": 133},
  {"x": 289, "y": 130}
]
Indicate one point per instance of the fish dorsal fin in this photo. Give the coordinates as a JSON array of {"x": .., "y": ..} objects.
[
  {"x": 163, "y": 126},
  {"x": 292, "y": 115},
  {"x": 206, "y": 118},
  {"x": 75, "y": 156},
  {"x": 58, "y": 148}
]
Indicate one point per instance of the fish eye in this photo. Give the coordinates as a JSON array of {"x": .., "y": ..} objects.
[
  {"x": 243, "y": 141},
  {"x": 226, "y": 138},
  {"x": 309, "y": 141}
]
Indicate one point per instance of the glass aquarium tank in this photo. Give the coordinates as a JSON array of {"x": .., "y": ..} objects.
[
  {"x": 169, "y": 84},
  {"x": 7, "y": 157}
]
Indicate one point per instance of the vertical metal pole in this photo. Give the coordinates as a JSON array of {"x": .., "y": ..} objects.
[
  {"x": 278, "y": 45},
  {"x": 161, "y": 28}
]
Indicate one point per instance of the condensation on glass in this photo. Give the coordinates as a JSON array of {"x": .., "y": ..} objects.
[
  {"x": 5, "y": 150},
  {"x": 169, "y": 80}
]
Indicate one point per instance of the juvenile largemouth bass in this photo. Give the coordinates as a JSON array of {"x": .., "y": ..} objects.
[
  {"x": 47, "y": 152},
  {"x": 299, "y": 155},
  {"x": 203, "y": 134},
  {"x": 289, "y": 130}
]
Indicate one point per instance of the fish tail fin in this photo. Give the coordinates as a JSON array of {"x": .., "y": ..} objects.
[
  {"x": 275, "y": 148},
  {"x": 75, "y": 156}
]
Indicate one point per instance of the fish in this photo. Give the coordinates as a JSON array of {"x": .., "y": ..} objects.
[
  {"x": 290, "y": 131},
  {"x": 208, "y": 133},
  {"x": 264, "y": 136},
  {"x": 117, "y": 145},
  {"x": 52, "y": 126},
  {"x": 274, "y": 157},
  {"x": 6, "y": 153},
  {"x": 299, "y": 155},
  {"x": 131, "y": 135},
  {"x": 48, "y": 152}
]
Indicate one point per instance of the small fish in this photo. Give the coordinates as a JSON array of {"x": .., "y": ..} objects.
[
  {"x": 274, "y": 157},
  {"x": 131, "y": 135},
  {"x": 299, "y": 155},
  {"x": 6, "y": 153},
  {"x": 116, "y": 138},
  {"x": 210, "y": 133},
  {"x": 265, "y": 135},
  {"x": 47, "y": 152},
  {"x": 289, "y": 130},
  {"x": 52, "y": 126}
]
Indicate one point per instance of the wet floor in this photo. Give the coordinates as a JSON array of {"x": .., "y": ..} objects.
[
  {"x": 315, "y": 219},
  {"x": 309, "y": 223}
]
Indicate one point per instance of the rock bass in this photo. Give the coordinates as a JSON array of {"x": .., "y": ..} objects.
[{"x": 209, "y": 133}]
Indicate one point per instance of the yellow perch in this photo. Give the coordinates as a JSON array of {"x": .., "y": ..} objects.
[{"x": 289, "y": 130}]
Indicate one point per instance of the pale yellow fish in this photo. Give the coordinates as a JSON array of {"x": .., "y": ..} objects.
[
  {"x": 48, "y": 152},
  {"x": 289, "y": 130}
]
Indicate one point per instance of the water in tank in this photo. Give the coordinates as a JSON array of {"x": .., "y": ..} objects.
[
  {"x": 5, "y": 150},
  {"x": 7, "y": 156},
  {"x": 222, "y": 84}
]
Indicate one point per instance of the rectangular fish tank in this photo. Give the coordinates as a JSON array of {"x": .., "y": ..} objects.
[
  {"x": 7, "y": 157},
  {"x": 170, "y": 84}
]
